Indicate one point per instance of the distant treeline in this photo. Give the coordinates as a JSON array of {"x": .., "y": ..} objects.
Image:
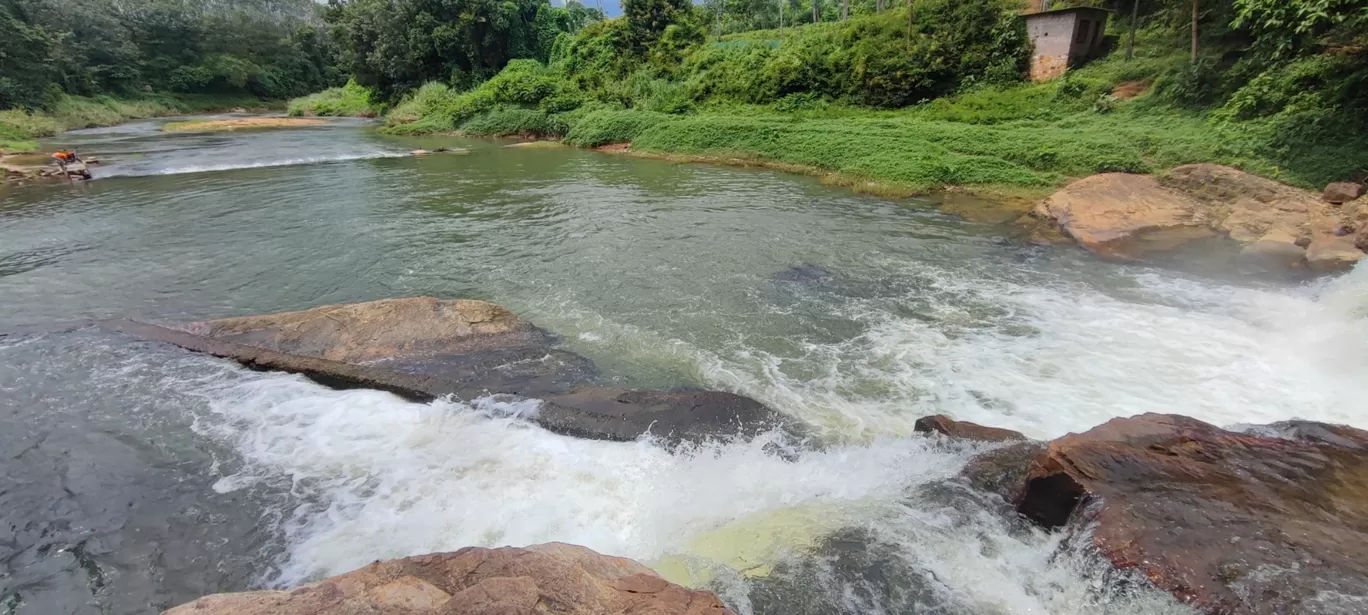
[{"x": 270, "y": 49}]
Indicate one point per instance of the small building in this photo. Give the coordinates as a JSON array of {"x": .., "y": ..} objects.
[{"x": 1063, "y": 38}]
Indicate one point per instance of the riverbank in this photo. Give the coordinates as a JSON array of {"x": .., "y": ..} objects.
[{"x": 20, "y": 130}]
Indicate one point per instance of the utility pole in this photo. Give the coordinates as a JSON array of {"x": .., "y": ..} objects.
[
  {"x": 781, "y": 18},
  {"x": 1135, "y": 25},
  {"x": 845, "y": 10},
  {"x": 1194, "y": 30},
  {"x": 816, "y": 11}
]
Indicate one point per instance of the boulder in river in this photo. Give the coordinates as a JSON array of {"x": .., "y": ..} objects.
[
  {"x": 964, "y": 430},
  {"x": 423, "y": 348},
  {"x": 547, "y": 578},
  {"x": 1132, "y": 216},
  {"x": 1269, "y": 521}
]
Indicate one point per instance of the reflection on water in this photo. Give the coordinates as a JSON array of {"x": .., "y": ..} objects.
[{"x": 855, "y": 315}]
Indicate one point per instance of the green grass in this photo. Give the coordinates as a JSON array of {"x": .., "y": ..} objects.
[
  {"x": 351, "y": 100},
  {"x": 527, "y": 123}
]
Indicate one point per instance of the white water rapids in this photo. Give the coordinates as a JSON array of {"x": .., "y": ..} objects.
[{"x": 390, "y": 478}]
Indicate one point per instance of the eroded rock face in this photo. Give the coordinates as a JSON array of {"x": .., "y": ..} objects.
[
  {"x": 548, "y": 578},
  {"x": 424, "y": 348},
  {"x": 1271, "y": 521},
  {"x": 1131, "y": 216}
]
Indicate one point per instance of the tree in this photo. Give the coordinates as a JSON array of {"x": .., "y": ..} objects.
[{"x": 1287, "y": 26}]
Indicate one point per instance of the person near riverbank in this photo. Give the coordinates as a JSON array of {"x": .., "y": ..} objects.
[{"x": 68, "y": 157}]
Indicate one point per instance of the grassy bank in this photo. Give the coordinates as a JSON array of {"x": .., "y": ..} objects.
[
  {"x": 902, "y": 106},
  {"x": 19, "y": 130}
]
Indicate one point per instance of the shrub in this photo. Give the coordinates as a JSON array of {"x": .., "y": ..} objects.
[
  {"x": 350, "y": 100},
  {"x": 515, "y": 122},
  {"x": 606, "y": 127}
]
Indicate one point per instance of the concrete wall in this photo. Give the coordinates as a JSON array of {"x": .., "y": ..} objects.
[
  {"x": 1061, "y": 39},
  {"x": 1052, "y": 35}
]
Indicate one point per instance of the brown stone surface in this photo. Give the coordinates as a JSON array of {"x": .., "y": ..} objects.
[
  {"x": 538, "y": 580},
  {"x": 1342, "y": 192},
  {"x": 386, "y": 329},
  {"x": 1123, "y": 215},
  {"x": 424, "y": 348},
  {"x": 1130, "y": 216},
  {"x": 1271, "y": 521},
  {"x": 1276, "y": 251},
  {"x": 964, "y": 430},
  {"x": 1328, "y": 253}
]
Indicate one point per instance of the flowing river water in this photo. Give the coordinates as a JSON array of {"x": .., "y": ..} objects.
[{"x": 135, "y": 476}]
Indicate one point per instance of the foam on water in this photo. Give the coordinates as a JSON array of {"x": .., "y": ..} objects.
[
  {"x": 1048, "y": 359},
  {"x": 390, "y": 478},
  {"x": 138, "y": 170},
  {"x": 380, "y": 477}
]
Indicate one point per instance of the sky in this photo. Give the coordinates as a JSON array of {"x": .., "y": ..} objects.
[{"x": 611, "y": 8}]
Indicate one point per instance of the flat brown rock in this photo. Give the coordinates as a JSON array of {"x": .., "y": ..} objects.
[
  {"x": 374, "y": 330},
  {"x": 1123, "y": 215},
  {"x": 548, "y": 578},
  {"x": 1273, "y": 521},
  {"x": 1131, "y": 216},
  {"x": 424, "y": 348}
]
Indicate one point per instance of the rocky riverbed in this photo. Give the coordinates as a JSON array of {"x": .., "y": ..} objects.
[{"x": 1268, "y": 519}]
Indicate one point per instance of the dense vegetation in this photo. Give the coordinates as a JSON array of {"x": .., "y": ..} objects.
[
  {"x": 930, "y": 94},
  {"x": 265, "y": 48},
  {"x": 76, "y": 64}
]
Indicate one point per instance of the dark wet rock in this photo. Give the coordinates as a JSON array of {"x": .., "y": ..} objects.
[
  {"x": 424, "y": 348},
  {"x": 805, "y": 274},
  {"x": 1002, "y": 471},
  {"x": 1264, "y": 521},
  {"x": 619, "y": 414},
  {"x": 548, "y": 578},
  {"x": 964, "y": 430}
]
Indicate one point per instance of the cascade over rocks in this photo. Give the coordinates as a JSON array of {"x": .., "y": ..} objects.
[
  {"x": 423, "y": 348},
  {"x": 1270, "y": 521},
  {"x": 1132, "y": 216},
  {"x": 547, "y": 578}
]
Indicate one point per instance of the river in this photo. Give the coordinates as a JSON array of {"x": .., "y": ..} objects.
[{"x": 134, "y": 476}]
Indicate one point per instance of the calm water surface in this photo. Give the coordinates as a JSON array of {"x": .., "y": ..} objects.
[{"x": 134, "y": 476}]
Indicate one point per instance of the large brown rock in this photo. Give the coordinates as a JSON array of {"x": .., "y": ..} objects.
[
  {"x": 1123, "y": 215},
  {"x": 549, "y": 578},
  {"x": 424, "y": 348},
  {"x": 1132, "y": 216},
  {"x": 1342, "y": 192},
  {"x": 1328, "y": 253},
  {"x": 1271, "y": 521},
  {"x": 386, "y": 329}
]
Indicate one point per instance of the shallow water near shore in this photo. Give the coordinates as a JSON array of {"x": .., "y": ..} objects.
[{"x": 135, "y": 476}]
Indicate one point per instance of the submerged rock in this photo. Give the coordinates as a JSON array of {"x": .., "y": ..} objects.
[
  {"x": 1273, "y": 521},
  {"x": 423, "y": 348},
  {"x": 1131, "y": 216},
  {"x": 547, "y": 578}
]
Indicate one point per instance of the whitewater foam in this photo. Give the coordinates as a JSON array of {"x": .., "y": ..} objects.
[
  {"x": 1048, "y": 359},
  {"x": 137, "y": 171}
]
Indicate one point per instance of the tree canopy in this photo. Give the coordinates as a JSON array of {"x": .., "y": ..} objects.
[{"x": 267, "y": 48}]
